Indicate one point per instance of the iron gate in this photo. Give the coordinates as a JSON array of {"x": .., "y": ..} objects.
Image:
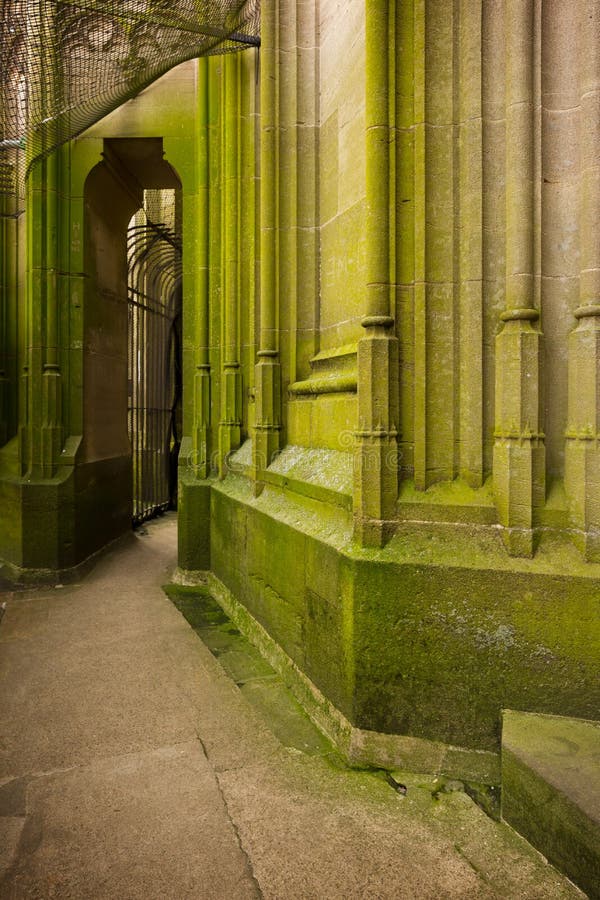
[{"x": 154, "y": 364}]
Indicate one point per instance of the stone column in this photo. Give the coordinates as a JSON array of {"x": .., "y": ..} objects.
[
  {"x": 307, "y": 211},
  {"x": 582, "y": 464},
  {"x": 202, "y": 375},
  {"x": 376, "y": 447},
  {"x": 41, "y": 420},
  {"x": 5, "y": 251},
  {"x": 267, "y": 424},
  {"x": 5, "y": 186},
  {"x": 231, "y": 383},
  {"x": 51, "y": 430},
  {"x": 41, "y": 426},
  {"x": 519, "y": 457},
  {"x": 469, "y": 245},
  {"x": 248, "y": 236},
  {"x": 11, "y": 161}
]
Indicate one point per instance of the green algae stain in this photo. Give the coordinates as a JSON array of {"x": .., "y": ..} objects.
[
  {"x": 196, "y": 605},
  {"x": 254, "y": 676}
]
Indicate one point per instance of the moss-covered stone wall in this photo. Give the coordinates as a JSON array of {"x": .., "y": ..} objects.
[
  {"x": 342, "y": 176},
  {"x": 390, "y": 295},
  {"x": 430, "y": 638},
  {"x": 65, "y": 475},
  {"x": 446, "y": 348}
]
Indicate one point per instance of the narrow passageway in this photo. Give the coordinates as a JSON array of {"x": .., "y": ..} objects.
[{"x": 131, "y": 766}]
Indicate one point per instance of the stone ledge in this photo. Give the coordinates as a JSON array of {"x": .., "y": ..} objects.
[
  {"x": 360, "y": 747},
  {"x": 551, "y": 790}
]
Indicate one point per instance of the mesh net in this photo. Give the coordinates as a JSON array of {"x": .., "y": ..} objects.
[{"x": 67, "y": 63}]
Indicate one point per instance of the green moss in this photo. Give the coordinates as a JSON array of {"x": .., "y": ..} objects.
[
  {"x": 440, "y": 650},
  {"x": 193, "y": 513},
  {"x": 196, "y": 605},
  {"x": 456, "y": 493},
  {"x": 428, "y": 638},
  {"x": 254, "y": 676}
]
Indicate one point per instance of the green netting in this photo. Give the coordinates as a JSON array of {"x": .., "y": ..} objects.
[{"x": 67, "y": 63}]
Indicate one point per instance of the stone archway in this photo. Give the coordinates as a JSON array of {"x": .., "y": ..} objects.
[{"x": 114, "y": 192}]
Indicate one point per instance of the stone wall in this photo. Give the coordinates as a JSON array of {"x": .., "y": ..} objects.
[
  {"x": 441, "y": 380},
  {"x": 391, "y": 258}
]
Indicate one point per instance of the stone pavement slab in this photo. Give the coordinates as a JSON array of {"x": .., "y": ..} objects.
[
  {"x": 148, "y": 824},
  {"x": 134, "y": 767}
]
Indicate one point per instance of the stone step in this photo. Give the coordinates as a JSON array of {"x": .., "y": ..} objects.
[{"x": 551, "y": 790}]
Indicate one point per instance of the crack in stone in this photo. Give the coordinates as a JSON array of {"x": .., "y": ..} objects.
[
  {"x": 234, "y": 826},
  {"x": 13, "y": 804},
  {"x": 481, "y": 875},
  {"x": 98, "y": 760}
]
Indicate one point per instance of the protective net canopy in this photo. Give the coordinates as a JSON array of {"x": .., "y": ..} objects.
[{"x": 67, "y": 63}]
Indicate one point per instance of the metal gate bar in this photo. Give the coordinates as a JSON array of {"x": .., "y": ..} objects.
[{"x": 154, "y": 305}]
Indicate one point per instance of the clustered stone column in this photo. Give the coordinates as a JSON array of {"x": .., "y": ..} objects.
[{"x": 41, "y": 421}]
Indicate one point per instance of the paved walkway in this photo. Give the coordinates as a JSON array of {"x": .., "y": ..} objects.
[{"x": 132, "y": 766}]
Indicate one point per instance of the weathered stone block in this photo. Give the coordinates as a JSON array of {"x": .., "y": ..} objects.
[{"x": 551, "y": 790}]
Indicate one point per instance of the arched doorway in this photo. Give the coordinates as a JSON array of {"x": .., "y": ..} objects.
[{"x": 131, "y": 328}]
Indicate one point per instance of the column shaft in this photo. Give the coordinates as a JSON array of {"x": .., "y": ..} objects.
[
  {"x": 267, "y": 424},
  {"x": 51, "y": 432},
  {"x": 202, "y": 375},
  {"x": 5, "y": 251},
  {"x": 231, "y": 397},
  {"x": 376, "y": 450},
  {"x": 519, "y": 458},
  {"x": 41, "y": 419},
  {"x": 582, "y": 466},
  {"x": 468, "y": 235}
]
